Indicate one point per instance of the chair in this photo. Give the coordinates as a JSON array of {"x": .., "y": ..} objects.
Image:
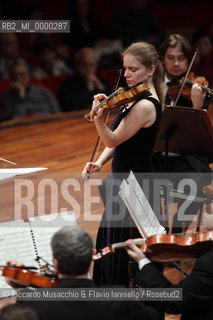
[{"x": 54, "y": 83}]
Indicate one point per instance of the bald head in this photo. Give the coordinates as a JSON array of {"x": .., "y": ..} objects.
[{"x": 86, "y": 61}]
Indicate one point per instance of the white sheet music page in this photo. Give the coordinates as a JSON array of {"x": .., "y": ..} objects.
[
  {"x": 139, "y": 208},
  {"x": 24, "y": 241},
  {"x": 12, "y": 172}
]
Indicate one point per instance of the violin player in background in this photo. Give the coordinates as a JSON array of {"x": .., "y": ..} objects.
[
  {"x": 175, "y": 53},
  {"x": 197, "y": 287},
  {"x": 129, "y": 143},
  {"x": 72, "y": 249}
]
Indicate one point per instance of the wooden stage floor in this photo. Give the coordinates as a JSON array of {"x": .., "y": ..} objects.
[{"x": 61, "y": 143}]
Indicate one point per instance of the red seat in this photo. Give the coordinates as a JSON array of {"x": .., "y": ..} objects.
[
  {"x": 54, "y": 83},
  {"x": 38, "y": 82},
  {"x": 109, "y": 74},
  {"x": 4, "y": 84}
]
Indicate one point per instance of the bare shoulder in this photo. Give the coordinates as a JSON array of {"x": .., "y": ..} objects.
[
  {"x": 144, "y": 106},
  {"x": 145, "y": 112}
]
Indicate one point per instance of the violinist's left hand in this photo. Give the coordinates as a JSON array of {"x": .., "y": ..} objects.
[
  {"x": 14, "y": 263},
  {"x": 134, "y": 252},
  {"x": 197, "y": 96},
  {"x": 96, "y": 102},
  {"x": 207, "y": 220}
]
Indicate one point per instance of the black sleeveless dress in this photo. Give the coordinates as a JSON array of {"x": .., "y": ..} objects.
[{"x": 116, "y": 225}]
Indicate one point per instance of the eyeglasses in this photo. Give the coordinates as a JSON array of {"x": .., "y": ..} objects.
[{"x": 172, "y": 59}]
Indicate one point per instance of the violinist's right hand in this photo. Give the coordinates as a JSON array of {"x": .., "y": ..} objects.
[
  {"x": 197, "y": 96},
  {"x": 90, "y": 167}
]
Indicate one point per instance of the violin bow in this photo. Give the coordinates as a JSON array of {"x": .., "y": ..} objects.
[
  {"x": 98, "y": 142},
  {"x": 185, "y": 78}
]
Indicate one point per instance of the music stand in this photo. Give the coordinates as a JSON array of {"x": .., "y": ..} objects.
[{"x": 185, "y": 131}]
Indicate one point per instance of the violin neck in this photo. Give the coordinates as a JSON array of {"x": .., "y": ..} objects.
[
  {"x": 105, "y": 100},
  {"x": 120, "y": 245}
]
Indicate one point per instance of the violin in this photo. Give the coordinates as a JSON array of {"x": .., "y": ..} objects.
[
  {"x": 167, "y": 247},
  {"x": 186, "y": 92},
  {"x": 118, "y": 98},
  {"x": 24, "y": 277}
]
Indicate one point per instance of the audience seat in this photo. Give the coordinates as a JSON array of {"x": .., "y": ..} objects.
[
  {"x": 54, "y": 83},
  {"x": 110, "y": 74},
  {"x": 4, "y": 84}
]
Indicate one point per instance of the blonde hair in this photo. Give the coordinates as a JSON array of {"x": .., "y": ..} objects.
[{"x": 146, "y": 54}]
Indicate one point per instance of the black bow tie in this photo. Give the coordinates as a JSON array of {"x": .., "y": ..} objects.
[{"x": 172, "y": 82}]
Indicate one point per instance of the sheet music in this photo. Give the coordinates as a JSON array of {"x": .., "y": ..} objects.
[
  {"x": 139, "y": 208},
  {"x": 17, "y": 239},
  {"x": 9, "y": 173}
]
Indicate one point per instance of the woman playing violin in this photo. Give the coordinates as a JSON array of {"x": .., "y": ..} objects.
[{"x": 129, "y": 143}]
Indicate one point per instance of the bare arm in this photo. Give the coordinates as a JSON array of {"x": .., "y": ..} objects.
[
  {"x": 142, "y": 115},
  {"x": 90, "y": 167}
]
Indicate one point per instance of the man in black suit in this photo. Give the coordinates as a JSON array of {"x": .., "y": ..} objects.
[
  {"x": 176, "y": 54},
  {"x": 72, "y": 251},
  {"x": 197, "y": 303}
]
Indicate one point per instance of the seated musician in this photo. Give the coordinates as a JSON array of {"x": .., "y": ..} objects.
[
  {"x": 175, "y": 53},
  {"x": 72, "y": 255},
  {"x": 197, "y": 287}
]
